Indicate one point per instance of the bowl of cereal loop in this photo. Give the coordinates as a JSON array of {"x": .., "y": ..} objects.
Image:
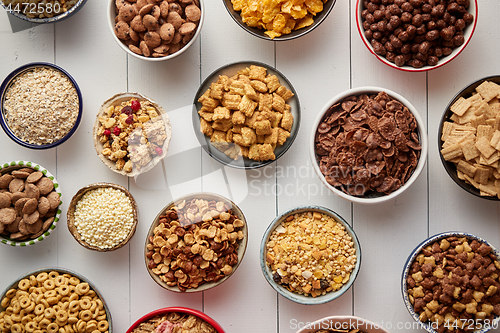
[
  {"x": 42, "y": 11},
  {"x": 283, "y": 21},
  {"x": 41, "y": 105},
  {"x": 294, "y": 263},
  {"x": 175, "y": 319},
  {"x": 450, "y": 281}
]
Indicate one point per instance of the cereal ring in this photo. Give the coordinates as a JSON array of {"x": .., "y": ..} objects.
[
  {"x": 74, "y": 306},
  {"x": 27, "y": 319},
  {"x": 52, "y": 328},
  {"x": 16, "y": 307},
  {"x": 91, "y": 327},
  {"x": 81, "y": 325},
  {"x": 72, "y": 318},
  {"x": 53, "y": 275},
  {"x": 74, "y": 280},
  {"x": 16, "y": 317},
  {"x": 16, "y": 328},
  {"x": 63, "y": 290},
  {"x": 30, "y": 326},
  {"x": 44, "y": 302},
  {"x": 49, "y": 293},
  {"x": 39, "y": 309},
  {"x": 85, "y": 304},
  {"x": 25, "y": 302},
  {"x": 74, "y": 296},
  {"x": 60, "y": 280},
  {"x": 21, "y": 293},
  {"x": 93, "y": 306},
  {"x": 11, "y": 293},
  {"x": 24, "y": 284},
  {"x": 5, "y": 302},
  {"x": 33, "y": 281},
  {"x": 91, "y": 293},
  {"x": 102, "y": 325},
  {"x": 42, "y": 277},
  {"x": 30, "y": 307},
  {"x": 62, "y": 315},
  {"x": 49, "y": 284},
  {"x": 82, "y": 288},
  {"x": 49, "y": 313},
  {"x": 44, "y": 323},
  {"x": 52, "y": 300},
  {"x": 85, "y": 315}
]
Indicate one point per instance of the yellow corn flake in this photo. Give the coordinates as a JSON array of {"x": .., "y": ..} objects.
[{"x": 278, "y": 17}]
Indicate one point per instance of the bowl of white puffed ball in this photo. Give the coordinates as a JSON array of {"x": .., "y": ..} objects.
[{"x": 102, "y": 216}]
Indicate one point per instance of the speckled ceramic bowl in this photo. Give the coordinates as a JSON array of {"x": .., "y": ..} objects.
[
  {"x": 429, "y": 326},
  {"x": 54, "y": 272},
  {"x": 282, "y": 290},
  {"x": 7, "y": 167},
  {"x": 28, "y": 7},
  {"x": 342, "y": 324},
  {"x": 180, "y": 310}
]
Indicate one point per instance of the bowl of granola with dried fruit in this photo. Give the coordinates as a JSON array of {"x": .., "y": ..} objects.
[
  {"x": 30, "y": 200},
  {"x": 450, "y": 283},
  {"x": 468, "y": 138},
  {"x": 368, "y": 145},
  {"x": 41, "y": 105},
  {"x": 175, "y": 319},
  {"x": 298, "y": 248},
  {"x": 131, "y": 134},
  {"x": 345, "y": 324},
  {"x": 246, "y": 114},
  {"x": 42, "y": 11},
  {"x": 155, "y": 30},
  {"x": 196, "y": 242}
]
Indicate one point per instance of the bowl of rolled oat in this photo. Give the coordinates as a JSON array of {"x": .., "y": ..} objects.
[
  {"x": 345, "y": 324},
  {"x": 42, "y": 11},
  {"x": 368, "y": 145},
  {"x": 175, "y": 320},
  {"x": 40, "y": 105},
  {"x": 298, "y": 248},
  {"x": 196, "y": 242},
  {"x": 131, "y": 134},
  {"x": 450, "y": 283}
]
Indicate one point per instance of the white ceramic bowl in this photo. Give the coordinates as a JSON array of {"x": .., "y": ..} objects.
[
  {"x": 375, "y": 198},
  {"x": 111, "y": 25},
  {"x": 430, "y": 326},
  {"x": 468, "y": 32},
  {"x": 343, "y": 323},
  {"x": 295, "y": 297}
]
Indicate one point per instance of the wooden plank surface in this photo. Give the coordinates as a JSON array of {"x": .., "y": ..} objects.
[{"x": 329, "y": 60}]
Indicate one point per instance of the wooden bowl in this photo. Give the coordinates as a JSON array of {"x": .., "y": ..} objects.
[
  {"x": 71, "y": 216},
  {"x": 99, "y": 146}
]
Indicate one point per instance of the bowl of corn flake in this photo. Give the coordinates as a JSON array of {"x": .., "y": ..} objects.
[
  {"x": 246, "y": 115},
  {"x": 279, "y": 20},
  {"x": 131, "y": 134},
  {"x": 469, "y": 138},
  {"x": 310, "y": 255}
]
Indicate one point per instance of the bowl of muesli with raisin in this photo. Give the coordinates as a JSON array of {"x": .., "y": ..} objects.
[
  {"x": 131, "y": 133},
  {"x": 41, "y": 105}
]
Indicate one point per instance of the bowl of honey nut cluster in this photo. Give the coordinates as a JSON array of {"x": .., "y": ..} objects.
[
  {"x": 196, "y": 242},
  {"x": 416, "y": 35},
  {"x": 155, "y": 31},
  {"x": 30, "y": 200},
  {"x": 42, "y": 11},
  {"x": 131, "y": 134},
  {"x": 175, "y": 318},
  {"x": 297, "y": 264},
  {"x": 368, "y": 145},
  {"x": 450, "y": 283}
]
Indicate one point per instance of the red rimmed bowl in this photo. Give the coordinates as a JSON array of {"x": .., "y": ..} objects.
[{"x": 182, "y": 310}]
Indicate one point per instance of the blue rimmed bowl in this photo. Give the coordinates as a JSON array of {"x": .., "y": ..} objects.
[
  {"x": 7, "y": 167},
  {"x": 54, "y": 272},
  {"x": 6, "y": 84},
  {"x": 429, "y": 326},
  {"x": 27, "y": 7},
  {"x": 282, "y": 290}
]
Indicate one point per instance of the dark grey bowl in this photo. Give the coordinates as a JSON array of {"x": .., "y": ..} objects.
[
  {"x": 450, "y": 167},
  {"x": 327, "y": 8}
]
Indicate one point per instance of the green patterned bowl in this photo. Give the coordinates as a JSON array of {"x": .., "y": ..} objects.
[{"x": 15, "y": 165}]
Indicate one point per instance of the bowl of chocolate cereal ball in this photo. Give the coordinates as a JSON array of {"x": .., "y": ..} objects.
[
  {"x": 310, "y": 255},
  {"x": 246, "y": 114},
  {"x": 131, "y": 133},
  {"x": 175, "y": 319},
  {"x": 41, "y": 105},
  {"x": 42, "y": 11},
  {"x": 102, "y": 216},
  {"x": 368, "y": 145},
  {"x": 196, "y": 242},
  {"x": 155, "y": 31},
  {"x": 283, "y": 22},
  {"x": 87, "y": 309},
  {"x": 347, "y": 324},
  {"x": 450, "y": 282},
  {"x": 30, "y": 200},
  {"x": 416, "y": 35},
  {"x": 468, "y": 138}
]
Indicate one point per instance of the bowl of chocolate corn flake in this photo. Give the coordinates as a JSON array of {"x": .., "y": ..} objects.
[{"x": 368, "y": 145}]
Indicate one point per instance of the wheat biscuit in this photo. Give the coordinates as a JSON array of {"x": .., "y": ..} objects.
[
  {"x": 32, "y": 191},
  {"x": 34, "y": 177},
  {"x": 43, "y": 206},
  {"x": 30, "y": 206},
  {"x": 4, "y": 201},
  {"x": 35, "y": 227},
  {"x": 45, "y": 185},
  {"x": 54, "y": 199},
  {"x": 5, "y": 181},
  {"x": 7, "y": 215},
  {"x": 20, "y": 174},
  {"x": 16, "y": 185}
]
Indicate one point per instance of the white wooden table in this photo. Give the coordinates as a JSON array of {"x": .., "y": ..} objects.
[{"x": 320, "y": 65}]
